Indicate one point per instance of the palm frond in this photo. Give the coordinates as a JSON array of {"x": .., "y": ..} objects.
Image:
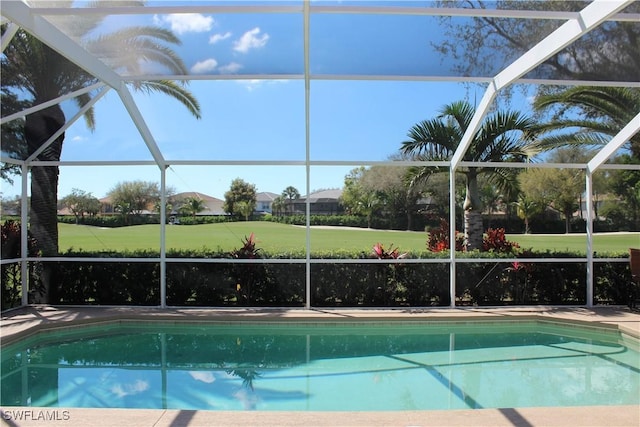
[
  {"x": 461, "y": 112},
  {"x": 128, "y": 49},
  {"x": 432, "y": 139},
  {"x": 175, "y": 90},
  {"x": 584, "y": 139}
]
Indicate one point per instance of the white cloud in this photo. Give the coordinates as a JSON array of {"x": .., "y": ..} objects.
[
  {"x": 78, "y": 138},
  {"x": 205, "y": 377},
  {"x": 181, "y": 23},
  {"x": 230, "y": 68},
  {"x": 122, "y": 390},
  {"x": 250, "y": 40},
  {"x": 219, "y": 37},
  {"x": 250, "y": 85},
  {"x": 204, "y": 66}
]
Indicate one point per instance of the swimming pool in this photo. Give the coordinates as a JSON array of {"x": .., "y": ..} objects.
[{"x": 321, "y": 366}]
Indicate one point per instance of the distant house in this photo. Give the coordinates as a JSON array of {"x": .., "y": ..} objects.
[
  {"x": 324, "y": 202},
  {"x": 213, "y": 205},
  {"x": 107, "y": 207},
  {"x": 264, "y": 202}
]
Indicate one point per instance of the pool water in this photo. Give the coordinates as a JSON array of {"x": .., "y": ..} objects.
[{"x": 321, "y": 367}]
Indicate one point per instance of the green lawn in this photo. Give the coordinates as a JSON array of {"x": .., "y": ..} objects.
[{"x": 280, "y": 237}]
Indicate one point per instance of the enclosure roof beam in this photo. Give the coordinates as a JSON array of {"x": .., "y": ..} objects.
[
  {"x": 11, "y": 31},
  {"x": 589, "y": 18},
  {"x": 67, "y": 124},
  {"x": 51, "y": 102},
  {"x": 19, "y": 13},
  {"x": 141, "y": 125},
  {"x": 612, "y": 146}
]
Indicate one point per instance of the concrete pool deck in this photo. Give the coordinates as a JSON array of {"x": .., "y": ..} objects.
[{"x": 22, "y": 322}]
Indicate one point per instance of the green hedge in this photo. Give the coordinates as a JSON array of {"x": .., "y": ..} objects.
[{"x": 334, "y": 284}]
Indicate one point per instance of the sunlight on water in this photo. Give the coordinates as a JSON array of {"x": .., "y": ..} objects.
[{"x": 339, "y": 368}]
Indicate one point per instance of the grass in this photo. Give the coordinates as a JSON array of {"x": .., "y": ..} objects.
[{"x": 274, "y": 237}]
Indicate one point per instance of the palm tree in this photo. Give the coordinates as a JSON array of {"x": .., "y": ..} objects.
[
  {"x": 193, "y": 206},
  {"x": 526, "y": 209},
  {"x": 290, "y": 194},
  {"x": 30, "y": 67},
  {"x": 502, "y": 137},
  {"x": 278, "y": 205},
  {"x": 601, "y": 113}
]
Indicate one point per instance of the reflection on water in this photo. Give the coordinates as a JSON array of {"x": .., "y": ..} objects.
[{"x": 249, "y": 367}]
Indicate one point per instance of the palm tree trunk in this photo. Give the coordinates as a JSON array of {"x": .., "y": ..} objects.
[
  {"x": 43, "y": 215},
  {"x": 472, "y": 212},
  {"x": 473, "y": 229}
]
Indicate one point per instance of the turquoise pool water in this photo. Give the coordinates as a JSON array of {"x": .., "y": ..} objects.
[{"x": 321, "y": 367}]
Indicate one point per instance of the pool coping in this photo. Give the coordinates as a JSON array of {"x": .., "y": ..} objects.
[{"x": 23, "y": 322}]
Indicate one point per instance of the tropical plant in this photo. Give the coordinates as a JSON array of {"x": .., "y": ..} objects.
[
  {"x": 290, "y": 194},
  {"x": 392, "y": 253},
  {"x": 29, "y": 67},
  {"x": 590, "y": 116},
  {"x": 502, "y": 137},
  {"x": 526, "y": 209},
  {"x": 278, "y": 205},
  {"x": 11, "y": 273},
  {"x": 193, "y": 206},
  {"x": 439, "y": 241},
  {"x": 248, "y": 250},
  {"x": 248, "y": 276},
  {"x": 495, "y": 240}
]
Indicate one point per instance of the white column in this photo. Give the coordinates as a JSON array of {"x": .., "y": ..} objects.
[
  {"x": 163, "y": 229},
  {"x": 589, "y": 202},
  {"x": 24, "y": 236}
]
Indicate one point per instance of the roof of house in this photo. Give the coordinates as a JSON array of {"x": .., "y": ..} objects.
[
  {"x": 193, "y": 194},
  {"x": 266, "y": 196},
  {"x": 213, "y": 205},
  {"x": 324, "y": 195}
]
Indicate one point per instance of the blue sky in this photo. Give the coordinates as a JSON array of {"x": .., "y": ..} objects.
[{"x": 255, "y": 120}]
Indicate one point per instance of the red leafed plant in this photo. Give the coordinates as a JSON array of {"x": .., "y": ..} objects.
[
  {"x": 392, "y": 253},
  {"x": 438, "y": 240},
  {"x": 248, "y": 249},
  {"x": 495, "y": 240}
]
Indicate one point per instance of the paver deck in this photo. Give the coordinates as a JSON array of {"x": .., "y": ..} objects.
[{"x": 22, "y": 322}]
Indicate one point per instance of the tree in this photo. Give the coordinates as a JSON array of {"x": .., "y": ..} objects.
[
  {"x": 192, "y": 206},
  {"x": 278, "y": 205},
  {"x": 590, "y": 116},
  {"x": 502, "y": 137},
  {"x": 240, "y": 191},
  {"x": 80, "y": 202},
  {"x": 559, "y": 189},
  {"x": 357, "y": 198},
  {"x": 134, "y": 197},
  {"x": 397, "y": 196},
  {"x": 10, "y": 207},
  {"x": 526, "y": 209},
  {"x": 290, "y": 194},
  {"x": 12, "y": 134},
  {"x": 244, "y": 208},
  {"x": 485, "y": 45},
  {"x": 626, "y": 185},
  {"x": 29, "y": 67}
]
